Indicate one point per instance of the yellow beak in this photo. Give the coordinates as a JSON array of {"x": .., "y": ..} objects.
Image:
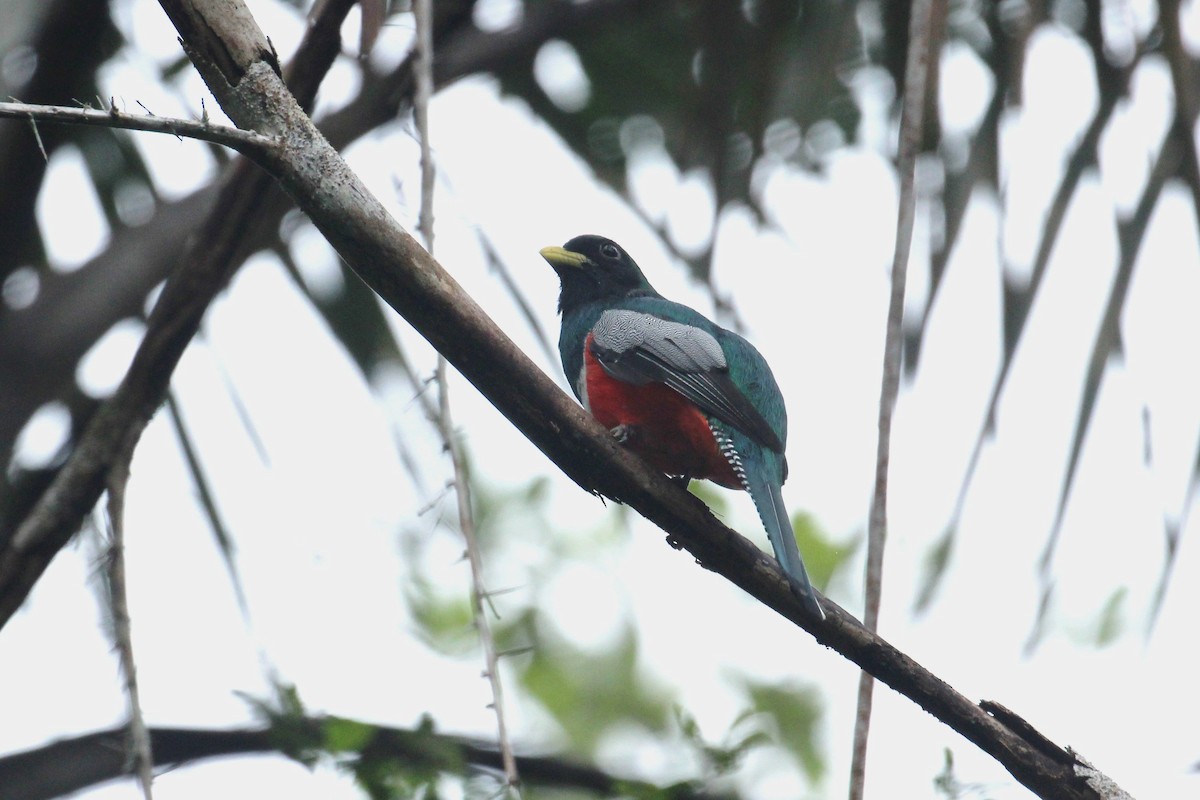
[{"x": 561, "y": 257}]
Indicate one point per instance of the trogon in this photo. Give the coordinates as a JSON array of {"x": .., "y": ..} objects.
[{"x": 693, "y": 399}]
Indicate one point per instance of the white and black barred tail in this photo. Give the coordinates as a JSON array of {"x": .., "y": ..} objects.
[{"x": 768, "y": 499}]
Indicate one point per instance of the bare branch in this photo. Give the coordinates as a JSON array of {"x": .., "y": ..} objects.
[
  {"x": 37, "y": 137},
  {"x": 924, "y": 35},
  {"x": 423, "y": 11},
  {"x": 72, "y": 765},
  {"x": 514, "y": 291},
  {"x": 444, "y": 420},
  {"x": 207, "y": 501},
  {"x": 248, "y": 143},
  {"x": 1174, "y": 528},
  {"x": 138, "y": 748}
]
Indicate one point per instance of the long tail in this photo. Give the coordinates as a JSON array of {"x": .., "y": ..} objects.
[{"x": 768, "y": 498}]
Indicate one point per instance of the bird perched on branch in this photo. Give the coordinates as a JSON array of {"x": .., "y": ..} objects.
[{"x": 693, "y": 399}]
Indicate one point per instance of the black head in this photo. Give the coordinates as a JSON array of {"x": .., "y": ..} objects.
[{"x": 594, "y": 268}]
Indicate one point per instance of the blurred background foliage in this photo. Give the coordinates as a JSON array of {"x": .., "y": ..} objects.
[{"x": 727, "y": 93}]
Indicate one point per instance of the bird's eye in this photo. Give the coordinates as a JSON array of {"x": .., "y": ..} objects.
[{"x": 609, "y": 250}]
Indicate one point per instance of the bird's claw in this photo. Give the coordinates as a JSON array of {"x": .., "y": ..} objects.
[{"x": 624, "y": 434}]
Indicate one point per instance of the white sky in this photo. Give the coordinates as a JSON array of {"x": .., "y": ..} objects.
[{"x": 317, "y": 524}]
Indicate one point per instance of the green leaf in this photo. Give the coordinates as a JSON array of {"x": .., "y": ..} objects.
[
  {"x": 1110, "y": 618},
  {"x": 944, "y": 782},
  {"x": 947, "y": 783},
  {"x": 588, "y": 692},
  {"x": 405, "y": 764},
  {"x": 791, "y": 714},
  {"x": 291, "y": 731},
  {"x": 346, "y": 735},
  {"x": 721, "y": 759},
  {"x": 937, "y": 560},
  {"x": 444, "y": 622},
  {"x": 822, "y": 556}
]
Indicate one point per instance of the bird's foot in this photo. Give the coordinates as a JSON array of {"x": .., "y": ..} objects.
[
  {"x": 625, "y": 434},
  {"x": 681, "y": 481}
]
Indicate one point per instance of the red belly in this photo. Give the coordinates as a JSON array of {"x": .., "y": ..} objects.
[{"x": 663, "y": 427}]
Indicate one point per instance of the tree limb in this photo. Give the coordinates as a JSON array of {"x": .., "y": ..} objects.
[
  {"x": 72, "y": 765},
  {"x": 248, "y": 143},
  {"x": 926, "y": 25}
]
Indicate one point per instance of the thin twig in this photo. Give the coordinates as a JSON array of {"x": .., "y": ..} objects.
[
  {"x": 514, "y": 291},
  {"x": 37, "y": 135},
  {"x": 207, "y": 501},
  {"x": 423, "y": 11},
  {"x": 1173, "y": 530},
  {"x": 248, "y": 143},
  {"x": 141, "y": 756},
  {"x": 920, "y": 46}
]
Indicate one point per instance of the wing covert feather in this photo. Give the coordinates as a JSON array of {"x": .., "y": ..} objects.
[{"x": 641, "y": 348}]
